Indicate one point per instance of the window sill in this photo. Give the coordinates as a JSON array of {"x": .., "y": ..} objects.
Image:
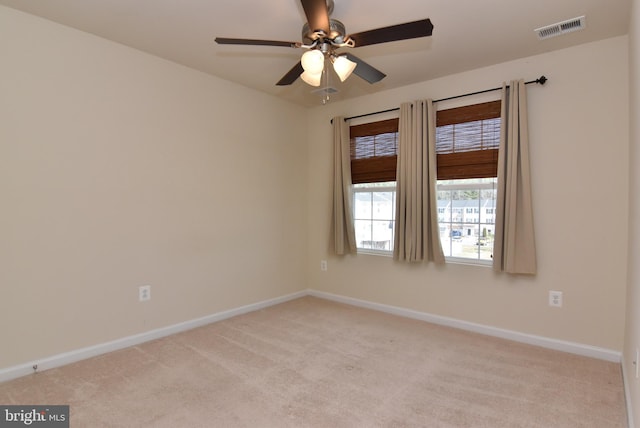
[
  {"x": 448, "y": 260},
  {"x": 369, "y": 252},
  {"x": 468, "y": 262}
]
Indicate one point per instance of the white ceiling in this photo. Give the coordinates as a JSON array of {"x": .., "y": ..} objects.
[{"x": 467, "y": 34}]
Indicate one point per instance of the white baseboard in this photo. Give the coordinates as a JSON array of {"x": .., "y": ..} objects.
[
  {"x": 103, "y": 348},
  {"x": 626, "y": 379},
  {"x": 545, "y": 342},
  {"x": 92, "y": 351}
]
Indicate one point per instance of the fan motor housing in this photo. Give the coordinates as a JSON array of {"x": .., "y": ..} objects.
[{"x": 337, "y": 32}]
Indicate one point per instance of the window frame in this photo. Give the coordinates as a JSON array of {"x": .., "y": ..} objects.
[
  {"x": 470, "y": 186},
  {"x": 370, "y": 188}
]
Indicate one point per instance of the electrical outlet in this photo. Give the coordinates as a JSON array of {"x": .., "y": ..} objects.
[
  {"x": 323, "y": 265},
  {"x": 144, "y": 293},
  {"x": 555, "y": 299}
]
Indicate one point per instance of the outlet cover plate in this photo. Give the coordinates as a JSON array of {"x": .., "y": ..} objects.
[
  {"x": 555, "y": 299},
  {"x": 144, "y": 293}
]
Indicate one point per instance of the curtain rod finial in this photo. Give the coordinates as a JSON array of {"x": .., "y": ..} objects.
[{"x": 542, "y": 80}]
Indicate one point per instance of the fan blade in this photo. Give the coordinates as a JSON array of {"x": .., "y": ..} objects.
[
  {"x": 256, "y": 42},
  {"x": 292, "y": 75},
  {"x": 409, "y": 30},
  {"x": 366, "y": 71},
  {"x": 317, "y": 14}
]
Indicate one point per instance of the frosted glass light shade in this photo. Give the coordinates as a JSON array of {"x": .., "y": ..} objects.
[
  {"x": 343, "y": 67},
  {"x": 312, "y": 79},
  {"x": 313, "y": 61}
]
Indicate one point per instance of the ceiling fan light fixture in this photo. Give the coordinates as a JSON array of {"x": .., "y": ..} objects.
[
  {"x": 322, "y": 36},
  {"x": 343, "y": 67},
  {"x": 312, "y": 79},
  {"x": 313, "y": 61}
]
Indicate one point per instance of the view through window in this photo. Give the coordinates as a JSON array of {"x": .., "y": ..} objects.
[
  {"x": 374, "y": 212},
  {"x": 466, "y": 217}
]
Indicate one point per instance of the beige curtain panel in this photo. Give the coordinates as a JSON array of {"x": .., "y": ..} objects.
[
  {"x": 417, "y": 236},
  {"x": 514, "y": 248},
  {"x": 343, "y": 232}
]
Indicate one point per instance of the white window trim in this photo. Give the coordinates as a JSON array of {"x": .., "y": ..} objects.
[
  {"x": 481, "y": 186},
  {"x": 469, "y": 262}
]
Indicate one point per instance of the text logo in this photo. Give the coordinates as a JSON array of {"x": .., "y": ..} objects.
[{"x": 34, "y": 416}]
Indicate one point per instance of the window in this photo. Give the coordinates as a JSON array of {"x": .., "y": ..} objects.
[
  {"x": 467, "y": 142},
  {"x": 374, "y": 148},
  {"x": 468, "y": 237},
  {"x": 374, "y": 212}
]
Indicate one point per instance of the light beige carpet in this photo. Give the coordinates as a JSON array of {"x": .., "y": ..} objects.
[{"x": 316, "y": 363}]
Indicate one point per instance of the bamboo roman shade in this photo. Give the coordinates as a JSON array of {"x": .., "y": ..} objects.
[
  {"x": 374, "y": 151},
  {"x": 467, "y": 142}
]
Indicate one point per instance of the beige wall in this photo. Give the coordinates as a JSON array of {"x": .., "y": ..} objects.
[
  {"x": 579, "y": 154},
  {"x": 119, "y": 169},
  {"x": 632, "y": 339}
]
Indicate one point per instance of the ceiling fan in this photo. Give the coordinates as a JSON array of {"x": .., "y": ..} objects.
[{"x": 323, "y": 36}]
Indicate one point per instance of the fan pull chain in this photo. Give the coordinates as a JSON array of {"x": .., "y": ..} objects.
[{"x": 325, "y": 99}]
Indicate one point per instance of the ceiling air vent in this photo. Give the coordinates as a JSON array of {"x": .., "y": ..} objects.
[{"x": 560, "y": 28}]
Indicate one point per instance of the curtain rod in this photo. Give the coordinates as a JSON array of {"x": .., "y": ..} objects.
[{"x": 541, "y": 80}]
